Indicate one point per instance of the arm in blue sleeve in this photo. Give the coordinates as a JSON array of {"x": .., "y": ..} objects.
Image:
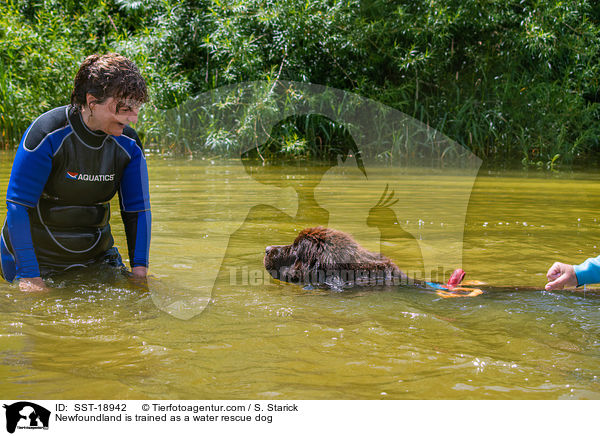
[
  {"x": 17, "y": 223},
  {"x": 28, "y": 177},
  {"x": 588, "y": 272},
  {"x": 137, "y": 230},
  {"x": 135, "y": 209}
]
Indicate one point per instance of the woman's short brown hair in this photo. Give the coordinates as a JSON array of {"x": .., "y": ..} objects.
[{"x": 109, "y": 75}]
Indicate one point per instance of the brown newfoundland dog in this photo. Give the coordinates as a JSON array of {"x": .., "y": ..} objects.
[{"x": 329, "y": 258}]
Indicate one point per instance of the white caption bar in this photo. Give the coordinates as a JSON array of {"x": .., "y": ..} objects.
[{"x": 40, "y": 417}]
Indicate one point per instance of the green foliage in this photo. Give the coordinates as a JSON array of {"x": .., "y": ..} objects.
[
  {"x": 41, "y": 46},
  {"x": 503, "y": 78},
  {"x": 312, "y": 136}
]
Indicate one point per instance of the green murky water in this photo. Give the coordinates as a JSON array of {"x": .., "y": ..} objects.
[{"x": 215, "y": 327}]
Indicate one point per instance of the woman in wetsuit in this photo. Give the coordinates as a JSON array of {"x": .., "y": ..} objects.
[{"x": 71, "y": 161}]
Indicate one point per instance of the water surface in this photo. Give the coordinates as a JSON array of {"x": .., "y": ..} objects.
[{"x": 215, "y": 327}]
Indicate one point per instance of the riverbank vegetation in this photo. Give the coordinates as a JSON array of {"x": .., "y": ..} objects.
[{"x": 514, "y": 81}]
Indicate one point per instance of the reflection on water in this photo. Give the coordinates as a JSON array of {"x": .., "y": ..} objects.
[{"x": 241, "y": 334}]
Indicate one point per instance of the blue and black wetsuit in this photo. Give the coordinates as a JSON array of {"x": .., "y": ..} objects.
[{"x": 63, "y": 178}]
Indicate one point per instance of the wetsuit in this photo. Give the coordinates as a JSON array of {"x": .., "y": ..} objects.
[{"x": 62, "y": 180}]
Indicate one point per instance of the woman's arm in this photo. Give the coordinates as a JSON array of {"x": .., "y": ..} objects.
[
  {"x": 135, "y": 208},
  {"x": 29, "y": 174}
]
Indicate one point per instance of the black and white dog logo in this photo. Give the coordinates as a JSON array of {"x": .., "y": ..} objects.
[{"x": 26, "y": 415}]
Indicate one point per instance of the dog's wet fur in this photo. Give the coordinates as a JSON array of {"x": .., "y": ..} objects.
[{"x": 331, "y": 259}]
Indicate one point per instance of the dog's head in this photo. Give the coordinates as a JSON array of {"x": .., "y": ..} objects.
[
  {"x": 279, "y": 259},
  {"x": 316, "y": 252}
]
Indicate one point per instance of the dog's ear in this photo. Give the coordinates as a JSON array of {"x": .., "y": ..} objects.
[
  {"x": 305, "y": 249},
  {"x": 316, "y": 255},
  {"x": 296, "y": 272}
]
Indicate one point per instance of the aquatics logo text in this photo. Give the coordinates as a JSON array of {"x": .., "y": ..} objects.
[{"x": 71, "y": 175}]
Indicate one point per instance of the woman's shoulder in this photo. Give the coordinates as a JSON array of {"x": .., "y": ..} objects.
[
  {"x": 130, "y": 142},
  {"x": 130, "y": 134},
  {"x": 46, "y": 124}
]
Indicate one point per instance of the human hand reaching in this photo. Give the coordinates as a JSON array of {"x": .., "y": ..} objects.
[{"x": 561, "y": 275}]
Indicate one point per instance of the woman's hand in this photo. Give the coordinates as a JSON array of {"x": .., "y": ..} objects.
[
  {"x": 33, "y": 284},
  {"x": 139, "y": 276},
  {"x": 139, "y": 271},
  {"x": 561, "y": 275}
]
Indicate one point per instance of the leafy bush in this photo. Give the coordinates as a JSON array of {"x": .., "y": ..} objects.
[{"x": 505, "y": 79}]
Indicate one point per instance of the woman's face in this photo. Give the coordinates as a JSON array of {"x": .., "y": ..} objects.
[{"x": 104, "y": 116}]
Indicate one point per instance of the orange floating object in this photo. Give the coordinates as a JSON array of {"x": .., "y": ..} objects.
[
  {"x": 459, "y": 292},
  {"x": 452, "y": 288}
]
